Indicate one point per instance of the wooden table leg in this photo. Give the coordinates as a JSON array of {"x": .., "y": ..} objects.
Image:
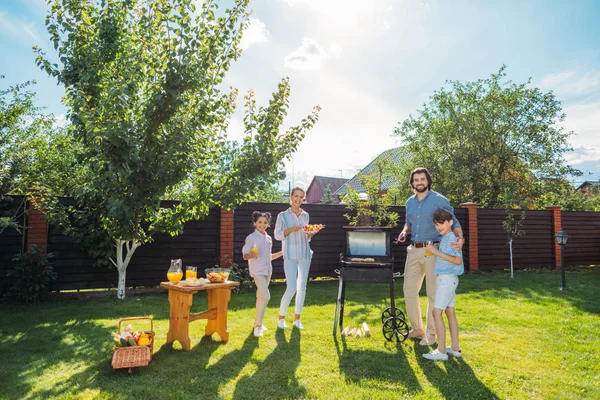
[
  {"x": 218, "y": 299},
  {"x": 179, "y": 321}
]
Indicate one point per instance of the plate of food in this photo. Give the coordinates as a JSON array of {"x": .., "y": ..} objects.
[
  {"x": 193, "y": 282},
  {"x": 313, "y": 228}
]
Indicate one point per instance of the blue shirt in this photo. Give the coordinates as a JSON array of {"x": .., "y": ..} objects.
[
  {"x": 295, "y": 246},
  {"x": 444, "y": 267},
  {"x": 261, "y": 265},
  {"x": 419, "y": 216}
]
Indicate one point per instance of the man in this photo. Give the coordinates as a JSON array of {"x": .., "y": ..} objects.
[{"x": 419, "y": 223}]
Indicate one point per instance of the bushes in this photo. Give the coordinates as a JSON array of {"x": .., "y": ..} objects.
[
  {"x": 30, "y": 278},
  {"x": 240, "y": 274}
]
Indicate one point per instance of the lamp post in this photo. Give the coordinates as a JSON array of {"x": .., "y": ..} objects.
[{"x": 561, "y": 239}]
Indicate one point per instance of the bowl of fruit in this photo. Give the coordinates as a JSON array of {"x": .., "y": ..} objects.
[
  {"x": 313, "y": 228},
  {"x": 217, "y": 275}
]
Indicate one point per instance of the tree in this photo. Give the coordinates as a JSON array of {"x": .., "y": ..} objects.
[
  {"x": 328, "y": 197},
  {"x": 142, "y": 85},
  {"x": 374, "y": 208},
  {"x": 32, "y": 148},
  {"x": 562, "y": 193},
  {"x": 486, "y": 139}
]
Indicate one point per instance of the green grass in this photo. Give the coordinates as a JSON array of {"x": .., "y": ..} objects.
[{"x": 521, "y": 339}]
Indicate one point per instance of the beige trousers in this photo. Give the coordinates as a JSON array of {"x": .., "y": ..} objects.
[
  {"x": 262, "y": 297},
  {"x": 418, "y": 267}
]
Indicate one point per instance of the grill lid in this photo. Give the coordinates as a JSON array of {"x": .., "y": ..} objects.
[{"x": 367, "y": 241}]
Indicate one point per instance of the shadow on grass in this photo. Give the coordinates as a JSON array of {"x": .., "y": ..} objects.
[
  {"x": 275, "y": 377},
  {"x": 368, "y": 367},
  {"x": 454, "y": 378},
  {"x": 68, "y": 341}
]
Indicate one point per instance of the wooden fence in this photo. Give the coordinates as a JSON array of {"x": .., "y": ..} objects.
[{"x": 204, "y": 242}]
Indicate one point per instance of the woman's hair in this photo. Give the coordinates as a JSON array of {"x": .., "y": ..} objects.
[
  {"x": 441, "y": 216},
  {"x": 297, "y": 188},
  {"x": 421, "y": 171},
  {"x": 257, "y": 214}
]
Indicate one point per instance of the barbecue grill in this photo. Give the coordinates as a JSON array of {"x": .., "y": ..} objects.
[{"x": 368, "y": 258}]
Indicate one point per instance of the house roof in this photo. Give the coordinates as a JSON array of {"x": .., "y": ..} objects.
[
  {"x": 587, "y": 183},
  {"x": 323, "y": 181},
  {"x": 394, "y": 156}
]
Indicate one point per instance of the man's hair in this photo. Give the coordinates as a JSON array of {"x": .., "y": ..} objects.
[
  {"x": 441, "y": 216},
  {"x": 420, "y": 171}
]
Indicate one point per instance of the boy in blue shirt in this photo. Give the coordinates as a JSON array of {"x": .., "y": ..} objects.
[{"x": 448, "y": 266}]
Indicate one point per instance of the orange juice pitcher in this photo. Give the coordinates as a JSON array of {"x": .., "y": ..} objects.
[{"x": 175, "y": 272}]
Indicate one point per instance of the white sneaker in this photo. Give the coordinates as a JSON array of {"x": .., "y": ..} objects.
[
  {"x": 258, "y": 332},
  {"x": 281, "y": 324},
  {"x": 436, "y": 355},
  {"x": 298, "y": 324},
  {"x": 264, "y": 328},
  {"x": 453, "y": 353}
]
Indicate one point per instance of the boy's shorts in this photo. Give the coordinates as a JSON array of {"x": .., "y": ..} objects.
[{"x": 445, "y": 294}]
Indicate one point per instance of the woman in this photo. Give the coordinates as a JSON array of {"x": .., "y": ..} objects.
[{"x": 296, "y": 255}]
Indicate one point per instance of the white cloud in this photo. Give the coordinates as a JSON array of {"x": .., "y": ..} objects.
[
  {"x": 60, "y": 121},
  {"x": 336, "y": 50},
  {"x": 309, "y": 56},
  {"x": 255, "y": 33},
  {"x": 18, "y": 28},
  {"x": 572, "y": 82}
]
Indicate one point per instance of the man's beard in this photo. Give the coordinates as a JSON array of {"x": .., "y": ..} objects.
[{"x": 421, "y": 190}]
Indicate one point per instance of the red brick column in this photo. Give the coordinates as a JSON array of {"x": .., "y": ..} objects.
[
  {"x": 472, "y": 234},
  {"x": 557, "y": 225},
  {"x": 37, "y": 229},
  {"x": 226, "y": 237}
]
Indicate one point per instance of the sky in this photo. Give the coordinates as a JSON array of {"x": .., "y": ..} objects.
[{"x": 371, "y": 63}]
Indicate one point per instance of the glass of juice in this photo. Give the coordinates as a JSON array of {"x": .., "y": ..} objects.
[
  {"x": 191, "y": 272},
  {"x": 175, "y": 272},
  {"x": 254, "y": 251},
  {"x": 427, "y": 252}
]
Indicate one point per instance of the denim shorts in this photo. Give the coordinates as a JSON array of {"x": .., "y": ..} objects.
[{"x": 445, "y": 294}]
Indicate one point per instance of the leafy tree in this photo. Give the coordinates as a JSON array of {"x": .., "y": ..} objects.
[
  {"x": 487, "y": 139},
  {"x": 142, "y": 85},
  {"x": 328, "y": 197},
  {"x": 32, "y": 149},
  {"x": 374, "y": 209},
  {"x": 562, "y": 193}
]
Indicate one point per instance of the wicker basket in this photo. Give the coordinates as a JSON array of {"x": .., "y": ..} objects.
[{"x": 134, "y": 356}]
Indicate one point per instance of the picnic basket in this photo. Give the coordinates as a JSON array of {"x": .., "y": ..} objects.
[{"x": 134, "y": 356}]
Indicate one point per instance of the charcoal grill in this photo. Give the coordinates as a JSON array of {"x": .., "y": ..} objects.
[{"x": 368, "y": 258}]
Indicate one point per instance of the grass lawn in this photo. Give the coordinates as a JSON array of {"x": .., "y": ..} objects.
[{"x": 521, "y": 339}]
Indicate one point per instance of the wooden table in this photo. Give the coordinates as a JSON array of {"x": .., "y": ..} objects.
[{"x": 180, "y": 300}]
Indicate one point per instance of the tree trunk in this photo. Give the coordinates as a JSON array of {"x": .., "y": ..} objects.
[
  {"x": 122, "y": 262},
  {"x": 511, "y": 261}
]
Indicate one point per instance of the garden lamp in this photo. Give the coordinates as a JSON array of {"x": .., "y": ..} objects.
[{"x": 561, "y": 239}]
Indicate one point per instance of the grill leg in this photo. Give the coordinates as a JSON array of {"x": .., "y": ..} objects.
[
  {"x": 343, "y": 284},
  {"x": 392, "y": 300},
  {"x": 337, "y": 306}
]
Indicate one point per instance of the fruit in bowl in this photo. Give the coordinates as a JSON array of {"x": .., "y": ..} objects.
[
  {"x": 313, "y": 228},
  {"x": 217, "y": 275}
]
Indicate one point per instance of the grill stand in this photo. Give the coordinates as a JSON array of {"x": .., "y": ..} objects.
[{"x": 394, "y": 324}]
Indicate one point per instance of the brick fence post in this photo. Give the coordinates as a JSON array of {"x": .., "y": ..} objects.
[
  {"x": 37, "y": 228},
  {"x": 557, "y": 225},
  {"x": 226, "y": 238},
  {"x": 472, "y": 234}
]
